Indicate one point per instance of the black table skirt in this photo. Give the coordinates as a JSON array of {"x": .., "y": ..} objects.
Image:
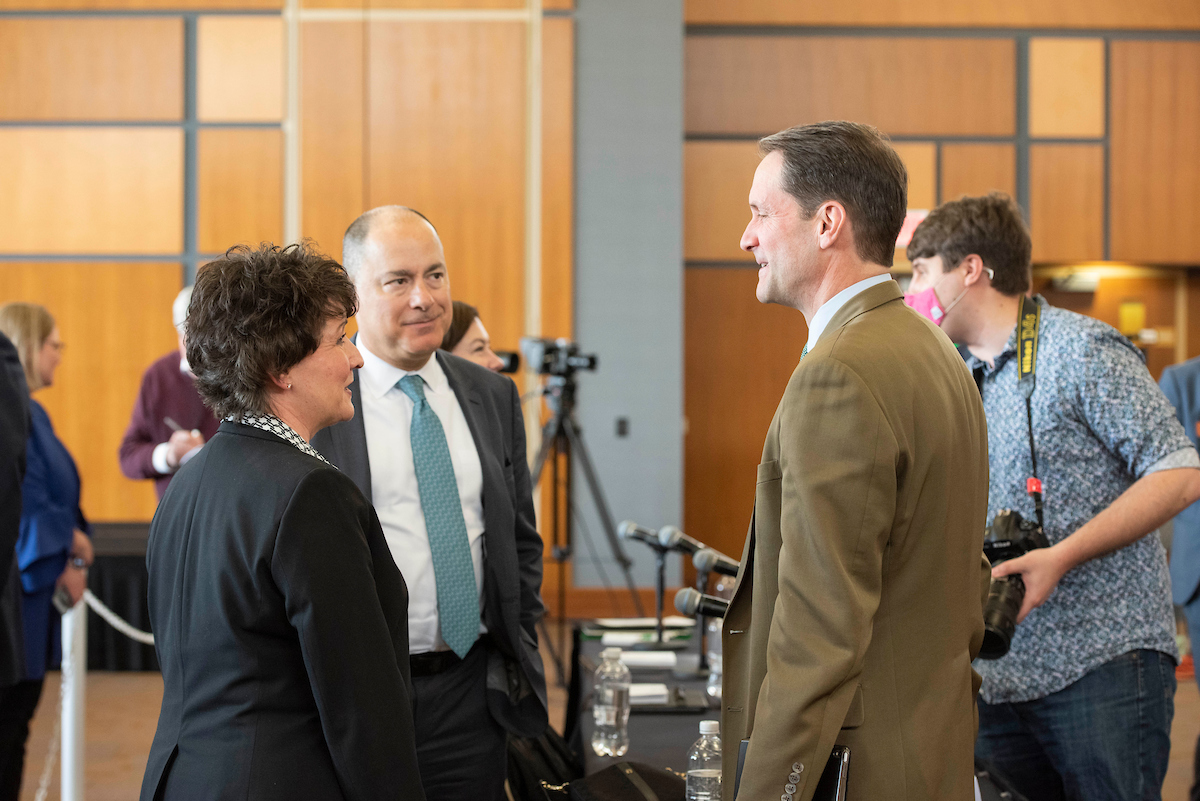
[{"x": 119, "y": 579}]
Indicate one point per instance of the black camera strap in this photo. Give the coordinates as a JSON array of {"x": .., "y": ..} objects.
[{"x": 1029, "y": 318}]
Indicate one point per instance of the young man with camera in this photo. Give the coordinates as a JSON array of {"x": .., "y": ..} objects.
[{"x": 1081, "y": 705}]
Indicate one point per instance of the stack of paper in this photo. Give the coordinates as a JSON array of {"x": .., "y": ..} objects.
[
  {"x": 649, "y": 659},
  {"x": 648, "y": 694}
]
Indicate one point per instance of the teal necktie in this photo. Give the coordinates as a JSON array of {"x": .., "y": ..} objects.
[
  {"x": 453, "y": 571},
  {"x": 804, "y": 352}
]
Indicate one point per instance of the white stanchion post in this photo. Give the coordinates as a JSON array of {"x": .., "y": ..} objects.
[{"x": 74, "y": 677}]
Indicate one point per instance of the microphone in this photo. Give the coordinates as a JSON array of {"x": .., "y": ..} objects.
[
  {"x": 629, "y": 530},
  {"x": 689, "y": 601},
  {"x": 512, "y": 361},
  {"x": 671, "y": 538},
  {"x": 707, "y": 560}
]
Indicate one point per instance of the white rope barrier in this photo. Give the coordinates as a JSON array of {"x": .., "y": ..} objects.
[
  {"x": 68, "y": 728},
  {"x": 111, "y": 617}
]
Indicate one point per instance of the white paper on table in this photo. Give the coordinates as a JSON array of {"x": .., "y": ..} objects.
[
  {"x": 624, "y": 638},
  {"x": 670, "y": 622},
  {"x": 649, "y": 659},
  {"x": 646, "y": 694}
]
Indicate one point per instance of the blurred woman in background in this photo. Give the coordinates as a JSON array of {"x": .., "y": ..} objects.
[
  {"x": 53, "y": 550},
  {"x": 467, "y": 338}
]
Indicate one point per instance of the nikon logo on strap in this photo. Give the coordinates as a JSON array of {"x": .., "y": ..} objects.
[{"x": 1027, "y": 344}]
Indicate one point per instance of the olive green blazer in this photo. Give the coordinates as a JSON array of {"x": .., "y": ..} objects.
[{"x": 858, "y": 609}]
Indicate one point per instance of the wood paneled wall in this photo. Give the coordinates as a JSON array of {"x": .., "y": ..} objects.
[
  {"x": 1091, "y": 130},
  {"x": 427, "y": 112}
]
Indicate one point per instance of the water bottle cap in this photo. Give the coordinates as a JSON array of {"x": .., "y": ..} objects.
[
  {"x": 610, "y": 653},
  {"x": 710, "y": 726}
]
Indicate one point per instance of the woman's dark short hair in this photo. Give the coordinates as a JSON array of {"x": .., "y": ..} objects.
[
  {"x": 854, "y": 165},
  {"x": 991, "y": 227},
  {"x": 256, "y": 313},
  {"x": 464, "y": 314}
]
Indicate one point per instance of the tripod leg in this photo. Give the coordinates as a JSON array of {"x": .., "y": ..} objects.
[
  {"x": 550, "y": 432},
  {"x": 606, "y": 519}
]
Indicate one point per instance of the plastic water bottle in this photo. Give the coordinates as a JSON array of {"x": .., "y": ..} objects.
[
  {"x": 610, "y": 706},
  {"x": 713, "y": 688},
  {"x": 704, "y": 764}
]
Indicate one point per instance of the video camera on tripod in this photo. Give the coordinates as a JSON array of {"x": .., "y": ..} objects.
[{"x": 556, "y": 357}]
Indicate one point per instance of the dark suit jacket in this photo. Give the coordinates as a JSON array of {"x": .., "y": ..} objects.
[
  {"x": 859, "y": 605},
  {"x": 280, "y": 621},
  {"x": 14, "y": 431},
  {"x": 512, "y": 547},
  {"x": 1181, "y": 384}
]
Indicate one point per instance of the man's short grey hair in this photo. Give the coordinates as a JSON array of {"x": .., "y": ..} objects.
[
  {"x": 355, "y": 239},
  {"x": 179, "y": 308}
]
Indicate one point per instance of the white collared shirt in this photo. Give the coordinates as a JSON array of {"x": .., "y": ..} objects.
[
  {"x": 387, "y": 416},
  {"x": 831, "y": 307}
]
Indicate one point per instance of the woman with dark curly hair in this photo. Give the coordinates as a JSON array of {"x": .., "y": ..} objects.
[{"x": 280, "y": 618}]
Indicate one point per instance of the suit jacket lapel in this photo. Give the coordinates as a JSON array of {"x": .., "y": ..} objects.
[
  {"x": 350, "y": 440},
  {"x": 472, "y": 408}
]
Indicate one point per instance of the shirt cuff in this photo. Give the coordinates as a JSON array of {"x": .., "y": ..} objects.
[
  {"x": 158, "y": 459},
  {"x": 1184, "y": 457}
]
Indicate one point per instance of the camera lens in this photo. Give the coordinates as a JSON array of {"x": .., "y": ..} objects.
[{"x": 1000, "y": 616}]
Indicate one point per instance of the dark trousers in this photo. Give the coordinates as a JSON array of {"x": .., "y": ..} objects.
[
  {"x": 1104, "y": 738},
  {"x": 461, "y": 750},
  {"x": 1192, "y": 612},
  {"x": 17, "y": 705}
]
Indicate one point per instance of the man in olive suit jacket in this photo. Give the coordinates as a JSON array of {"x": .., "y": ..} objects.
[{"x": 859, "y": 607}]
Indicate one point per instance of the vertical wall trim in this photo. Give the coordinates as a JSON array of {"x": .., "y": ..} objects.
[
  {"x": 191, "y": 189},
  {"x": 1107, "y": 188},
  {"x": 937, "y": 174},
  {"x": 1181, "y": 316},
  {"x": 292, "y": 188},
  {"x": 1022, "y": 121},
  {"x": 533, "y": 217}
]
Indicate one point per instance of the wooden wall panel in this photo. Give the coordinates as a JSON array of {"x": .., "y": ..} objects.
[
  {"x": 739, "y": 355},
  {"x": 558, "y": 184},
  {"x": 1155, "y": 152},
  {"x": 920, "y": 159},
  {"x": 1066, "y": 202},
  {"x": 446, "y": 135},
  {"x": 1066, "y": 87},
  {"x": 1162, "y": 14},
  {"x": 91, "y": 190},
  {"x": 240, "y": 187},
  {"x": 91, "y": 69},
  {"x": 239, "y": 69},
  {"x": 136, "y": 5},
  {"x": 716, "y": 188},
  {"x": 107, "y": 349},
  {"x": 419, "y": 4},
  {"x": 331, "y": 125},
  {"x": 755, "y": 85},
  {"x": 1157, "y": 293},
  {"x": 977, "y": 170}
]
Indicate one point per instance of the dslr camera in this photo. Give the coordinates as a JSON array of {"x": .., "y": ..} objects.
[
  {"x": 1008, "y": 537},
  {"x": 556, "y": 357}
]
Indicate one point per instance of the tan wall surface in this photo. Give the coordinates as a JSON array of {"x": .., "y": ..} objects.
[
  {"x": 91, "y": 69},
  {"x": 755, "y": 85},
  {"x": 977, "y": 170},
  {"x": 239, "y": 68},
  {"x": 1066, "y": 87},
  {"x": 114, "y": 319},
  {"x": 240, "y": 187},
  {"x": 91, "y": 190},
  {"x": 716, "y": 187},
  {"x": 1066, "y": 202}
]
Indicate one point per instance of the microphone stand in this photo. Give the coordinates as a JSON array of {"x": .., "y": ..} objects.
[
  {"x": 702, "y": 621},
  {"x": 660, "y": 589}
]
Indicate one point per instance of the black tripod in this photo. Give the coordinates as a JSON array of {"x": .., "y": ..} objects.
[{"x": 562, "y": 439}]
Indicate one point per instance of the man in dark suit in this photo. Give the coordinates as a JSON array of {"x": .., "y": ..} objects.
[
  {"x": 14, "y": 431},
  {"x": 1181, "y": 384},
  {"x": 438, "y": 445}
]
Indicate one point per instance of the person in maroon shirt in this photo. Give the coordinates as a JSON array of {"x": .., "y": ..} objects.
[{"x": 170, "y": 423}]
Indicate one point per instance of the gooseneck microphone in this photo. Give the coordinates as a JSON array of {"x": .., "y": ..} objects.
[
  {"x": 671, "y": 538},
  {"x": 707, "y": 560},
  {"x": 689, "y": 601},
  {"x": 629, "y": 530}
]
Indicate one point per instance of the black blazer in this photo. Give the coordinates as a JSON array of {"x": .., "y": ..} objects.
[
  {"x": 280, "y": 621},
  {"x": 14, "y": 432},
  {"x": 512, "y": 547}
]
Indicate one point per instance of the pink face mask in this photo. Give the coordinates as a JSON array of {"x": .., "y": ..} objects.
[{"x": 926, "y": 304}]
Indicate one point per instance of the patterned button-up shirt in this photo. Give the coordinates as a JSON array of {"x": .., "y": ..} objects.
[
  {"x": 1100, "y": 423},
  {"x": 265, "y": 421}
]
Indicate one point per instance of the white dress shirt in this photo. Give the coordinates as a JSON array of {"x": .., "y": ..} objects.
[
  {"x": 387, "y": 416},
  {"x": 831, "y": 307}
]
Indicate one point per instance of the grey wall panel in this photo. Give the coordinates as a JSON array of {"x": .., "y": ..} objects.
[{"x": 629, "y": 268}]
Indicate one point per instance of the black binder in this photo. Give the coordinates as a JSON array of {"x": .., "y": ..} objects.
[{"x": 830, "y": 787}]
